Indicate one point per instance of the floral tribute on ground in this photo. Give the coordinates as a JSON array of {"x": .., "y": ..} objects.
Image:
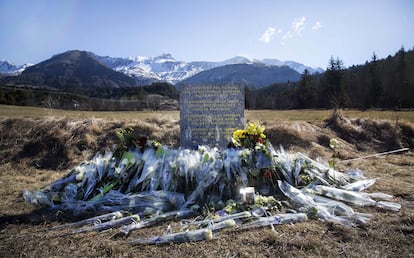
[{"x": 143, "y": 183}]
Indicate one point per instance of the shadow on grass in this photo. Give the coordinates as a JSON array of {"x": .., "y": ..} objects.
[
  {"x": 35, "y": 217},
  {"x": 39, "y": 216},
  {"x": 370, "y": 134},
  {"x": 287, "y": 137},
  {"x": 49, "y": 153}
]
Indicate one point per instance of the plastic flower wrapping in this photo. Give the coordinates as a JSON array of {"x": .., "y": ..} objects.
[{"x": 146, "y": 178}]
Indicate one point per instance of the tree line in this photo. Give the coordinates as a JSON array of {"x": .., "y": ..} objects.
[
  {"x": 386, "y": 83},
  {"x": 157, "y": 96}
]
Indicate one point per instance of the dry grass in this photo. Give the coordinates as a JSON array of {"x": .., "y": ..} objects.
[
  {"x": 308, "y": 115},
  {"x": 37, "y": 150},
  {"x": 8, "y": 111}
]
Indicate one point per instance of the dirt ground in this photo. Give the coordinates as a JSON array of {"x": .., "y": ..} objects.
[{"x": 34, "y": 152}]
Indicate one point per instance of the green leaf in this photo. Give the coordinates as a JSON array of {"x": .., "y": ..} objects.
[
  {"x": 105, "y": 190},
  {"x": 130, "y": 157}
]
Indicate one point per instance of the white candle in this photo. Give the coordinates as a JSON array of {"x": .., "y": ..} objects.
[{"x": 247, "y": 195}]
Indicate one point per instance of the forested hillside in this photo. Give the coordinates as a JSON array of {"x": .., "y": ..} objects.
[
  {"x": 155, "y": 96},
  {"x": 386, "y": 83}
]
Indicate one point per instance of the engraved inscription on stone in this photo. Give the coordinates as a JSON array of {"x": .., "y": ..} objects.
[{"x": 209, "y": 114}]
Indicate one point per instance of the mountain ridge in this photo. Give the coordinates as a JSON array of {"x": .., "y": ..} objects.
[
  {"x": 165, "y": 68},
  {"x": 257, "y": 75},
  {"x": 9, "y": 68},
  {"x": 73, "y": 68}
]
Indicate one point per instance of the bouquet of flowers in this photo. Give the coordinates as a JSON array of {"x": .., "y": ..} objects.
[{"x": 145, "y": 178}]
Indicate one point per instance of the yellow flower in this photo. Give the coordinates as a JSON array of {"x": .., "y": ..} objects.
[
  {"x": 249, "y": 130},
  {"x": 260, "y": 129},
  {"x": 250, "y": 136},
  {"x": 254, "y": 128},
  {"x": 239, "y": 134}
]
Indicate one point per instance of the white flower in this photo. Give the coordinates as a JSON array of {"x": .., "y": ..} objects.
[
  {"x": 117, "y": 215},
  {"x": 118, "y": 171},
  {"x": 259, "y": 146},
  {"x": 247, "y": 152},
  {"x": 202, "y": 148},
  {"x": 333, "y": 143},
  {"x": 79, "y": 176},
  {"x": 244, "y": 153}
]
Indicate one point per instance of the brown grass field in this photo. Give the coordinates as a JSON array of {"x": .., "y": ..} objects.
[{"x": 38, "y": 146}]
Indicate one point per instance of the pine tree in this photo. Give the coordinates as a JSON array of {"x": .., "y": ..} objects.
[
  {"x": 305, "y": 91},
  {"x": 375, "y": 88},
  {"x": 334, "y": 76}
]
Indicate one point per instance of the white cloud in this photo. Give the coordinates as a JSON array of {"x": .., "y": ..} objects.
[
  {"x": 317, "y": 26},
  {"x": 269, "y": 34},
  {"x": 298, "y": 24}
]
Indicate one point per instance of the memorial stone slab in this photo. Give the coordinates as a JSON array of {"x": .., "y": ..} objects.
[{"x": 209, "y": 114}]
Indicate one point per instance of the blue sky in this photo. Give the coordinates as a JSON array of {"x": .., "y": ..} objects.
[{"x": 309, "y": 32}]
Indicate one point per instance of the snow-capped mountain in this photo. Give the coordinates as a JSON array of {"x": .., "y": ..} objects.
[
  {"x": 146, "y": 70},
  {"x": 298, "y": 67},
  {"x": 165, "y": 68},
  {"x": 206, "y": 65},
  {"x": 8, "y": 68},
  {"x": 255, "y": 75},
  {"x": 73, "y": 69}
]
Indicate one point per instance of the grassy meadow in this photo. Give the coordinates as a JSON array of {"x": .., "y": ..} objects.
[{"x": 308, "y": 115}]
